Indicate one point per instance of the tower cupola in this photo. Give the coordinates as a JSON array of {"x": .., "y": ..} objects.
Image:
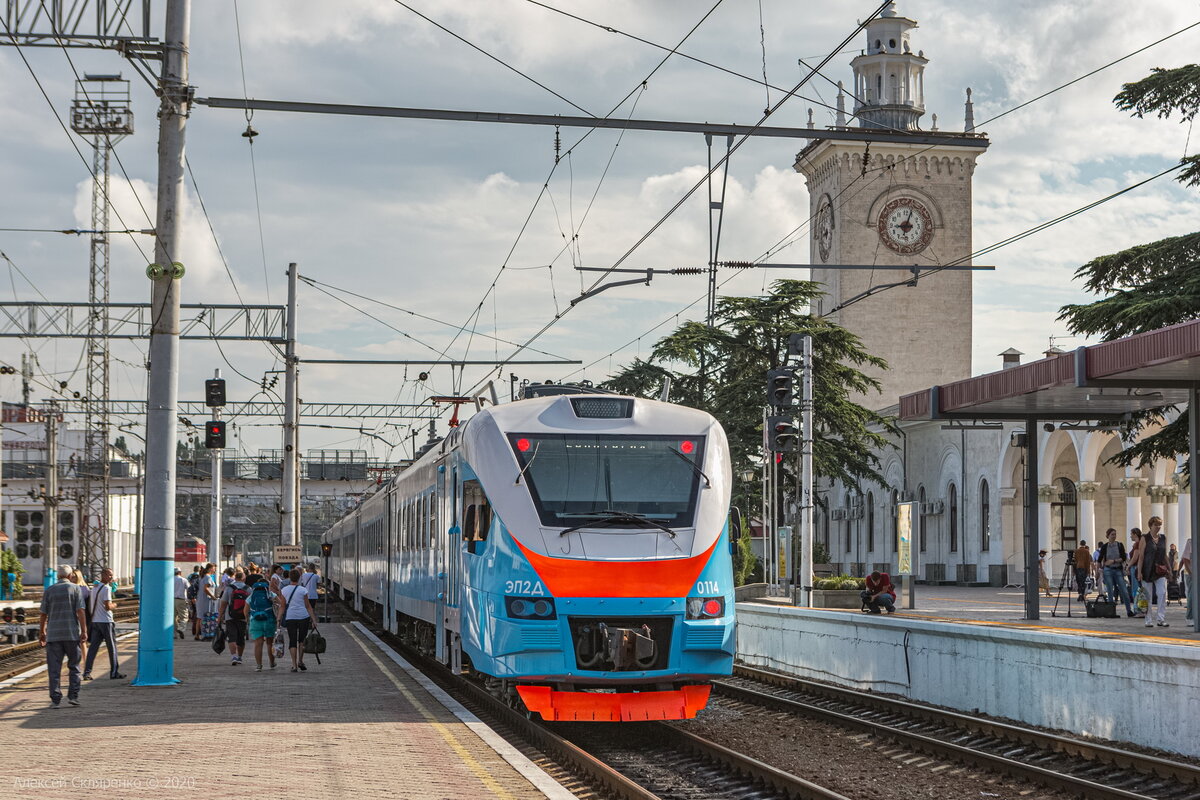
[{"x": 889, "y": 77}]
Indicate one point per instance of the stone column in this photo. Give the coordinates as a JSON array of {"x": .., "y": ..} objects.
[
  {"x": 1184, "y": 526},
  {"x": 1133, "y": 506},
  {"x": 1047, "y": 493},
  {"x": 1171, "y": 515},
  {"x": 1085, "y": 491},
  {"x": 1158, "y": 500}
]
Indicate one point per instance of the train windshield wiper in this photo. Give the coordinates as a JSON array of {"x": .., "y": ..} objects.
[
  {"x": 611, "y": 515},
  {"x": 528, "y": 464},
  {"x": 692, "y": 464}
]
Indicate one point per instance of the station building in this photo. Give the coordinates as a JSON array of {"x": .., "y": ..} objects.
[{"x": 895, "y": 206}]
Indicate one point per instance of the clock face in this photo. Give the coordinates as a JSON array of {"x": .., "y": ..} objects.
[
  {"x": 824, "y": 228},
  {"x": 905, "y": 225}
]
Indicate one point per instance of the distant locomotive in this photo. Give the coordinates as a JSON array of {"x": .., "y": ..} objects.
[
  {"x": 190, "y": 550},
  {"x": 571, "y": 549}
]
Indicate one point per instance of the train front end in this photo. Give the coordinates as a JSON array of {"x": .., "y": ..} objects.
[{"x": 605, "y": 591}]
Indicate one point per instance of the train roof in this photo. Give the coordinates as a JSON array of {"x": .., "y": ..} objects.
[{"x": 595, "y": 412}]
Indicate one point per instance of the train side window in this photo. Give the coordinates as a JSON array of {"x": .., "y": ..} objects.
[
  {"x": 477, "y": 515},
  {"x": 433, "y": 523}
]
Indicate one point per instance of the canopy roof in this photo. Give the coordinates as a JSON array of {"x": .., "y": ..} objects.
[{"x": 1101, "y": 381}]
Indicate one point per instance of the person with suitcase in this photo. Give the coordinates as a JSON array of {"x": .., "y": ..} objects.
[{"x": 1112, "y": 559}]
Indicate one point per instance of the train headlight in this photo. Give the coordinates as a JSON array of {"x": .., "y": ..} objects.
[
  {"x": 530, "y": 608},
  {"x": 705, "y": 607}
]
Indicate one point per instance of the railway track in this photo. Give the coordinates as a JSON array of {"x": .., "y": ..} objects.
[
  {"x": 15, "y": 659},
  {"x": 1087, "y": 769},
  {"x": 654, "y": 762}
]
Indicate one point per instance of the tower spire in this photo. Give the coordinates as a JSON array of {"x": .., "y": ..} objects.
[
  {"x": 889, "y": 78},
  {"x": 969, "y": 122}
]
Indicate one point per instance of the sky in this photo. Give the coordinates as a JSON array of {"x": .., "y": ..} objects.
[{"x": 477, "y": 227}]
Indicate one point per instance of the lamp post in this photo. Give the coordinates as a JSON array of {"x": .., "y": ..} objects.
[{"x": 227, "y": 549}]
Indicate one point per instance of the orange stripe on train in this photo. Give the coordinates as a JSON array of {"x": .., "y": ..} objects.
[{"x": 577, "y": 577}]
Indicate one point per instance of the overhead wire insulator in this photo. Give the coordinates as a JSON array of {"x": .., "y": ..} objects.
[
  {"x": 736, "y": 264},
  {"x": 688, "y": 271}
]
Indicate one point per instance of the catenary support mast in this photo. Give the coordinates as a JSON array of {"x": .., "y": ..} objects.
[{"x": 156, "y": 643}]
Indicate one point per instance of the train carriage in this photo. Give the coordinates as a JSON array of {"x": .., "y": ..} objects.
[{"x": 572, "y": 549}]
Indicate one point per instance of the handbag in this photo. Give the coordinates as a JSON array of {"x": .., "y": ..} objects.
[
  {"x": 314, "y": 643},
  {"x": 279, "y": 642},
  {"x": 218, "y": 644},
  {"x": 1161, "y": 571}
]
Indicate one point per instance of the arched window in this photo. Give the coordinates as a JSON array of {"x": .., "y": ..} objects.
[
  {"x": 985, "y": 517},
  {"x": 921, "y": 517},
  {"x": 1064, "y": 517},
  {"x": 851, "y": 502},
  {"x": 879, "y": 88},
  {"x": 894, "y": 86},
  {"x": 870, "y": 515},
  {"x": 895, "y": 521},
  {"x": 953, "y": 510}
]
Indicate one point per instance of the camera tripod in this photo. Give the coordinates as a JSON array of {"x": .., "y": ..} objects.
[{"x": 1066, "y": 582}]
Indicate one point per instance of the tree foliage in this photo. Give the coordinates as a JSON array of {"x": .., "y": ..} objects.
[
  {"x": 723, "y": 370},
  {"x": 1151, "y": 285}
]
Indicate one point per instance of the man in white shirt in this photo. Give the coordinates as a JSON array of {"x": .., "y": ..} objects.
[
  {"x": 181, "y": 602},
  {"x": 311, "y": 580},
  {"x": 100, "y": 607}
]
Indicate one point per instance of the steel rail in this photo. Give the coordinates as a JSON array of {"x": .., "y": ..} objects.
[{"x": 983, "y": 731}]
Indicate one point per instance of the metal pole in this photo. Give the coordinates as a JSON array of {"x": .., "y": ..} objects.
[
  {"x": 137, "y": 528},
  {"x": 156, "y": 643},
  {"x": 214, "y": 522},
  {"x": 806, "y": 474},
  {"x": 1033, "y": 604},
  {"x": 50, "y": 500},
  {"x": 289, "y": 533},
  {"x": 1194, "y": 462}
]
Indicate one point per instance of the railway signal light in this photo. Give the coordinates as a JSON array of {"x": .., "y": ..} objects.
[
  {"x": 214, "y": 434},
  {"x": 20, "y": 615},
  {"x": 8, "y": 615},
  {"x": 326, "y": 548},
  {"x": 214, "y": 392},
  {"x": 782, "y": 435},
  {"x": 781, "y": 388}
]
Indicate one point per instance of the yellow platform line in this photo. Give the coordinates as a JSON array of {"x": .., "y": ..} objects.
[{"x": 451, "y": 739}]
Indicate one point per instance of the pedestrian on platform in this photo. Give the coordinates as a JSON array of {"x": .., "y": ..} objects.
[
  {"x": 263, "y": 608},
  {"x": 278, "y": 579},
  {"x": 104, "y": 627},
  {"x": 296, "y": 617},
  {"x": 226, "y": 577},
  {"x": 206, "y": 602},
  {"x": 78, "y": 579},
  {"x": 62, "y": 631},
  {"x": 1043, "y": 580},
  {"x": 232, "y": 613},
  {"x": 1135, "y": 583},
  {"x": 192, "y": 590},
  {"x": 1112, "y": 558},
  {"x": 879, "y": 591},
  {"x": 181, "y": 602},
  {"x": 1083, "y": 567},
  {"x": 1153, "y": 569},
  {"x": 1173, "y": 562},
  {"x": 311, "y": 581}
]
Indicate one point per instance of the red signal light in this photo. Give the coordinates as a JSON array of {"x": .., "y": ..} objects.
[
  {"x": 523, "y": 445},
  {"x": 687, "y": 448},
  {"x": 712, "y": 608}
]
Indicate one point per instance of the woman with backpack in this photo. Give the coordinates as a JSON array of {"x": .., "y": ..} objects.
[
  {"x": 296, "y": 616},
  {"x": 263, "y": 608}
]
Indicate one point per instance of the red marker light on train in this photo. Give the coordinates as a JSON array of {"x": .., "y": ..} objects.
[
  {"x": 523, "y": 445},
  {"x": 713, "y": 608},
  {"x": 687, "y": 448}
]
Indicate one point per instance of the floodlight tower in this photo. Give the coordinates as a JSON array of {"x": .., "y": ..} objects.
[{"x": 101, "y": 110}]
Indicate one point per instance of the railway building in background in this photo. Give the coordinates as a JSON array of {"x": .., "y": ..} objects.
[{"x": 896, "y": 205}]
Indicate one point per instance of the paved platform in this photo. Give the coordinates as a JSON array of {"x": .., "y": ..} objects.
[
  {"x": 1005, "y": 608},
  {"x": 357, "y": 725}
]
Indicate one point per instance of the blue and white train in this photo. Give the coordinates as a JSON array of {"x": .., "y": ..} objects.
[{"x": 572, "y": 549}]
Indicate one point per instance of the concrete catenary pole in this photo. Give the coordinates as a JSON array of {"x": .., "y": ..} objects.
[
  {"x": 214, "y": 525},
  {"x": 156, "y": 643},
  {"x": 50, "y": 500},
  {"x": 806, "y": 473},
  {"x": 290, "y": 517}
]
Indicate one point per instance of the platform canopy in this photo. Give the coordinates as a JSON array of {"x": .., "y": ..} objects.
[
  {"x": 1101, "y": 381},
  {"x": 1104, "y": 381}
]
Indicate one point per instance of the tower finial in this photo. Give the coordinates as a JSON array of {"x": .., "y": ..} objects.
[
  {"x": 934, "y": 122},
  {"x": 841, "y": 106},
  {"x": 969, "y": 122},
  {"x": 811, "y": 124}
]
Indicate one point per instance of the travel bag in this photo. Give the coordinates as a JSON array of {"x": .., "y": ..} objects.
[{"x": 1101, "y": 608}]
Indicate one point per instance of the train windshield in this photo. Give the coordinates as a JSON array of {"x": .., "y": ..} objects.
[{"x": 573, "y": 477}]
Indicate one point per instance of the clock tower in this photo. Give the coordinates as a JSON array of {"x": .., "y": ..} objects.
[{"x": 890, "y": 207}]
